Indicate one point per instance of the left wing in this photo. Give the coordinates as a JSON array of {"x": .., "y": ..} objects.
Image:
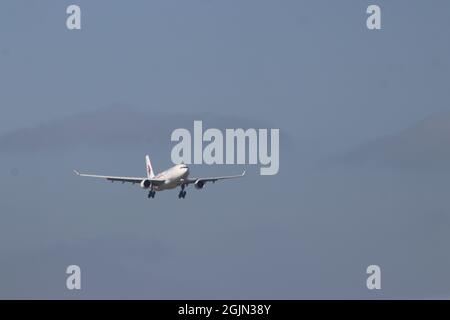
[
  {"x": 211, "y": 179},
  {"x": 120, "y": 179}
]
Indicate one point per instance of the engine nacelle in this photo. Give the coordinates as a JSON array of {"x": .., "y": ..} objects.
[
  {"x": 199, "y": 184},
  {"x": 145, "y": 184}
]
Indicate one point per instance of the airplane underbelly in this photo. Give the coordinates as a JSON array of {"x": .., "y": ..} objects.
[
  {"x": 168, "y": 185},
  {"x": 172, "y": 182}
]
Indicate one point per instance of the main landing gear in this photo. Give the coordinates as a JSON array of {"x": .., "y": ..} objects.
[
  {"x": 151, "y": 194},
  {"x": 182, "y": 193}
]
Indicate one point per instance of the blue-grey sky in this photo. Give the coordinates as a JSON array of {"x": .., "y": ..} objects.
[{"x": 310, "y": 68}]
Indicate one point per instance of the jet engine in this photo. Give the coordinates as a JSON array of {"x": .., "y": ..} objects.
[
  {"x": 199, "y": 184},
  {"x": 145, "y": 184}
]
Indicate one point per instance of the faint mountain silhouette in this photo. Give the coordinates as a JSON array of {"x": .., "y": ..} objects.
[
  {"x": 113, "y": 127},
  {"x": 425, "y": 145}
]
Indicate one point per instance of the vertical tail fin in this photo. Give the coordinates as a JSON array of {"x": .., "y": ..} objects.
[{"x": 150, "y": 172}]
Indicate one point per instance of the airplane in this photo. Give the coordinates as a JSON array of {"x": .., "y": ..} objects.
[{"x": 176, "y": 176}]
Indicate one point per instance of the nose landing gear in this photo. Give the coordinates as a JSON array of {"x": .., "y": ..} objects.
[{"x": 182, "y": 193}]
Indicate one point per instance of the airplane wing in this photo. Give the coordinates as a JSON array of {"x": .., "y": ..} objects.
[
  {"x": 211, "y": 179},
  {"x": 132, "y": 180}
]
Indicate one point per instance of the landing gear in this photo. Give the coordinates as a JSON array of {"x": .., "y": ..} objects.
[
  {"x": 182, "y": 193},
  {"x": 151, "y": 194}
]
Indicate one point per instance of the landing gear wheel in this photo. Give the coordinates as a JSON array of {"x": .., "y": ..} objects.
[
  {"x": 182, "y": 193},
  {"x": 151, "y": 194}
]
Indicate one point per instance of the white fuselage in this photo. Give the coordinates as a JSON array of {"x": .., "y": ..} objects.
[{"x": 173, "y": 177}]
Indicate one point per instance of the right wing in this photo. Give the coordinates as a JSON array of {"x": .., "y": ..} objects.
[
  {"x": 212, "y": 179},
  {"x": 132, "y": 180}
]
